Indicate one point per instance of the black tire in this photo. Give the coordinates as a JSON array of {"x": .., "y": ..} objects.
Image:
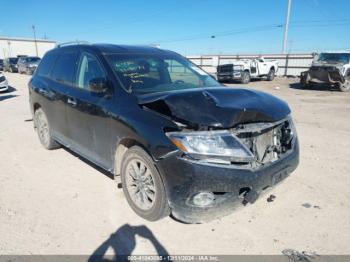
[
  {"x": 345, "y": 87},
  {"x": 43, "y": 129},
  {"x": 271, "y": 75},
  {"x": 160, "y": 207},
  {"x": 245, "y": 77},
  {"x": 303, "y": 82}
]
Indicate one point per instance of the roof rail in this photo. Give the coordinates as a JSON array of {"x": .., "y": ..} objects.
[{"x": 72, "y": 43}]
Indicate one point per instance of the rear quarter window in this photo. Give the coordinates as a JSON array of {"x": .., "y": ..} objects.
[
  {"x": 46, "y": 64},
  {"x": 64, "y": 68}
]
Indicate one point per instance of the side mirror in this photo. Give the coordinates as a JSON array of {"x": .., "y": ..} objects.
[{"x": 98, "y": 85}]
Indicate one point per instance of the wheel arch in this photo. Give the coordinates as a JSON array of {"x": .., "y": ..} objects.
[{"x": 121, "y": 148}]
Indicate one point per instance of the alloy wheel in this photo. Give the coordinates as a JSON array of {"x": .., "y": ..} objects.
[
  {"x": 140, "y": 184},
  {"x": 43, "y": 128}
]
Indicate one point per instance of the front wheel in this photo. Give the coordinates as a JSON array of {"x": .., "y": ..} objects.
[
  {"x": 345, "y": 87},
  {"x": 271, "y": 75},
  {"x": 143, "y": 186},
  {"x": 245, "y": 77},
  {"x": 43, "y": 129}
]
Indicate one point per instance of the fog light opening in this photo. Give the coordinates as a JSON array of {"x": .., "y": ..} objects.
[
  {"x": 243, "y": 191},
  {"x": 203, "y": 199}
]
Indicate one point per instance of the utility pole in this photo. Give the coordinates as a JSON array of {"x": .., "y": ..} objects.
[
  {"x": 286, "y": 25},
  {"x": 36, "y": 45}
]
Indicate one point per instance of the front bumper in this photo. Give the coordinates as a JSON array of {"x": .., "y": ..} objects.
[
  {"x": 323, "y": 75},
  {"x": 236, "y": 75},
  {"x": 184, "y": 178},
  {"x": 4, "y": 86},
  {"x": 31, "y": 69}
]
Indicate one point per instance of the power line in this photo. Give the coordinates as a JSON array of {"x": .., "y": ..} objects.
[{"x": 222, "y": 33}]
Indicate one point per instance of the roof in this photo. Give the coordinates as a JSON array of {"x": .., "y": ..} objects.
[
  {"x": 26, "y": 39},
  {"x": 112, "y": 48}
]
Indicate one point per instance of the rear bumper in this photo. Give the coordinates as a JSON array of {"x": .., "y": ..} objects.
[{"x": 183, "y": 179}]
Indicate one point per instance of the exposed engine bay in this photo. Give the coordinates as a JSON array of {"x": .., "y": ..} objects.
[{"x": 267, "y": 141}]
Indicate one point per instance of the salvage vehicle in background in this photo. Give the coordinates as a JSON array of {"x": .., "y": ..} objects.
[
  {"x": 3, "y": 83},
  {"x": 179, "y": 142},
  {"x": 246, "y": 69},
  {"x": 332, "y": 68},
  {"x": 28, "y": 64},
  {"x": 10, "y": 64}
]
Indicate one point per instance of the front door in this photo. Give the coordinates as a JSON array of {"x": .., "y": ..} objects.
[{"x": 87, "y": 114}]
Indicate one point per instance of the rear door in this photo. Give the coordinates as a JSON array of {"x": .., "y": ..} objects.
[
  {"x": 56, "y": 88},
  {"x": 87, "y": 113}
]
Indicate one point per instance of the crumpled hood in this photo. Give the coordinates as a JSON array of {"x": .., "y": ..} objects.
[{"x": 222, "y": 107}]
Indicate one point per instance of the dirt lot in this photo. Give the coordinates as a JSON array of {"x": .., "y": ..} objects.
[{"x": 51, "y": 202}]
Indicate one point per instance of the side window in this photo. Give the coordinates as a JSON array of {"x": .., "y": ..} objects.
[
  {"x": 64, "y": 68},
  {"x": 46, "y": 64},
  {"x": 89, "y": 69}
]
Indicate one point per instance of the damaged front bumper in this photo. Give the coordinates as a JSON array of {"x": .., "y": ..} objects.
[
  {"x": 232, "y": 185},
  {"x": 330, "y": 75}
]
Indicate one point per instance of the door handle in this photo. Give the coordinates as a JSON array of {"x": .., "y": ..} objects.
[{"x": 72, "y": 101}]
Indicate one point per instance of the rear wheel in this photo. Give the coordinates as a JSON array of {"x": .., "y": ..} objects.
[
  {"x": 245, "y": 77},
  {"x": 43, "y": 130},
  {"x": 143, "y": 186},
  {"x": 271, "y": 75}
]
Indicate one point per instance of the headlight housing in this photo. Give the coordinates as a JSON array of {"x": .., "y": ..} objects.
[
  {"x": 237, "y": 68},
  {"x": 211, "y": 144}
]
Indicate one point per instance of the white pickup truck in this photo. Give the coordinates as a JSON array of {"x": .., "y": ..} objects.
[{"x": 245, "y": 69}]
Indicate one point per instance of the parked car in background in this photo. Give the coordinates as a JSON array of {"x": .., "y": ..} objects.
[
  {"x": 331, "y": 68},
  {"x": 179, "y": 142},
  {"x": 1, "y": 65},
  {"x": 10, "y": 64},
  {"x": 28, "y": 64},
  {"x": 3, "y": 83},
  {"x": 246, "y": 69}
]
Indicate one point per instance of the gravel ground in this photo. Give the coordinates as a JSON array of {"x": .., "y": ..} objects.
[{"x": 51, "y": 202}]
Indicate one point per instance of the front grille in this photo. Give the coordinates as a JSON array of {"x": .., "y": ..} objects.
[
  {"x": 2, "y": 78},
  {"x": 225, "y": 69},
  {"x": 267, "y": 141}
]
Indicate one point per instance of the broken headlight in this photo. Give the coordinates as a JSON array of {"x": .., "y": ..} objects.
[{"x": 211, "y": 144}]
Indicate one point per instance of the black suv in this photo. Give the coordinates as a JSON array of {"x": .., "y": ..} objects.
[{"x": 179, "y": 142}]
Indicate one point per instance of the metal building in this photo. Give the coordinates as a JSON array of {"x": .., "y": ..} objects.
[{"x": 12, "y": 47}]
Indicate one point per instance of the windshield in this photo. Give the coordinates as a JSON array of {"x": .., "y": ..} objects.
[
  {"x": 13, "y": 60},
  {"x": 142, "y": 74},
  {"x": 334, "y": 57},
  {"x": 33, "y": 59}
]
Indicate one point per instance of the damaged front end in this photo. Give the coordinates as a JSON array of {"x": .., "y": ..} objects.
[
  {"x": 231, "y": 145},
  {"x": 324, "y": 74}
]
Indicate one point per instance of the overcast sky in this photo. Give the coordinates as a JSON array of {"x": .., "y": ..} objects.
[{"x": 185, "y": 26}]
